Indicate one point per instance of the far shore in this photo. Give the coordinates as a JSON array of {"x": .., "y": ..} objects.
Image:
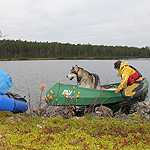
[{"x": 72, "y": 58}]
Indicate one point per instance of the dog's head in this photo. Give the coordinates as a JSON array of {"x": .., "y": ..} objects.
[{"x": 73, "y": 72}]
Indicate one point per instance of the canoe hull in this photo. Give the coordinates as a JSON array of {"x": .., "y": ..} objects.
[{"x": 64, "y": 94}]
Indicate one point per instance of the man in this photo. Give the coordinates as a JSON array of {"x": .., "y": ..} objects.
[{"x": 131, "y": 82}]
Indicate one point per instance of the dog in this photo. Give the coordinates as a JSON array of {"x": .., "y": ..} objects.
[{"x": 84, "y": 78}]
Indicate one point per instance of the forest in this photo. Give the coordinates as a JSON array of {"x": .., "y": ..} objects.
[{"x": 24, "y": 50}]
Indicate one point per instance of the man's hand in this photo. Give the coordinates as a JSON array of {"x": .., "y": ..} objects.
[{"x": 116, "y": 91}]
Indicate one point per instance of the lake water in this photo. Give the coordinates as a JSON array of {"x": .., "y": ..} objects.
[{"x": 31, "y": 74}]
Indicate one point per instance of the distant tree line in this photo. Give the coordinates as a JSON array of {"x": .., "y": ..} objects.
[{"x": 17, "y": 49}]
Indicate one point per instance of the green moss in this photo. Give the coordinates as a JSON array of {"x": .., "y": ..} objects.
[
  {"x": 89, "y": 117},
  {"x": 24, "y": 132}
]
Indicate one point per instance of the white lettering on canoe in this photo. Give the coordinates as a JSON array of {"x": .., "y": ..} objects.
[{"x": 66, "y": 92}]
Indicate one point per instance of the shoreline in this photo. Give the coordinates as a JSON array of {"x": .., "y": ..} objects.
[{"x": 74, "y": 58}]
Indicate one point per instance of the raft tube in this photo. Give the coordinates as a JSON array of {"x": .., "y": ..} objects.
[{"x": 15, "y": 106}]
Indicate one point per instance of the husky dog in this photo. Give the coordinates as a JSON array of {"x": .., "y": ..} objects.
[{"x": 84, "y": 78}]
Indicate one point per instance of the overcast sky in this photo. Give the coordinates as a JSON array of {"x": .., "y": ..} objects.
[{"x": 97, "y": 22}]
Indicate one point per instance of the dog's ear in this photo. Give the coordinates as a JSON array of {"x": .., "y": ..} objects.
[{"x": 76, "y": 68}]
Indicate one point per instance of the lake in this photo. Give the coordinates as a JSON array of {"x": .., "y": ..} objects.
[{"x": 31, "y": 74}]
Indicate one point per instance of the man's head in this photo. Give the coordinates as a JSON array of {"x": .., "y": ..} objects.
[{"x": 117, "y": 64}]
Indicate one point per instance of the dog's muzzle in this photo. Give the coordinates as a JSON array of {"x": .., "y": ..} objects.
[{"x": 70, "y": 77}]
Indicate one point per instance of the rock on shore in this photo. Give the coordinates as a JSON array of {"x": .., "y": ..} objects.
[{"x": 143, "y": 108}]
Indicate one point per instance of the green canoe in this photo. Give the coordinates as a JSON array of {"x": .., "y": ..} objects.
[{"x": 64, "y": 94}]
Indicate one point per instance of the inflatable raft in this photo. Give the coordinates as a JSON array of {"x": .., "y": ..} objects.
[{"x": 9, "y": 103}]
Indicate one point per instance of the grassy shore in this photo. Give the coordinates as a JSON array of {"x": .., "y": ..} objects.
[{"x": 37, "y": 133}]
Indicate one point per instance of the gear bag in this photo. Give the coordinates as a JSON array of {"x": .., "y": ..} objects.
[{"x": 5, "y": 82}]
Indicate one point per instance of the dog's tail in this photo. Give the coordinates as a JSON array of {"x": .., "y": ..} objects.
[{"x": 96, "y": 81}]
